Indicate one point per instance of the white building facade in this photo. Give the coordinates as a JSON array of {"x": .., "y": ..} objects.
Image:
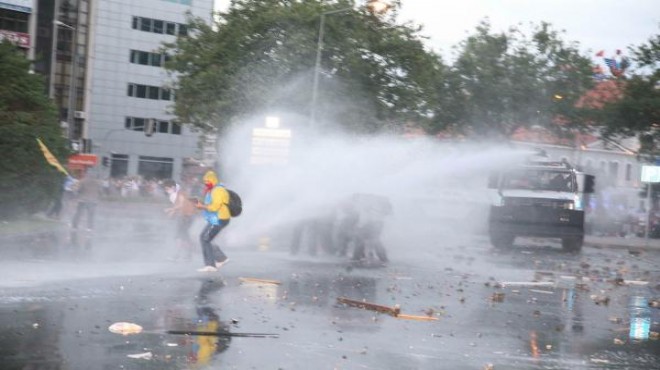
[{"x": 127, "y": 86}]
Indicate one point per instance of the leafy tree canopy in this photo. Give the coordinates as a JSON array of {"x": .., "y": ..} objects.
[
  {"x": 637, "y": 112},
  {"x": 27, "y": 182},
  {"x": 260, "y": 55},
  {"x": 510, "y": 80}
]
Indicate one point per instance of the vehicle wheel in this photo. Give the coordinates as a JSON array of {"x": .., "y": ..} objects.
[
  {"x": 502, "y": 240},
  {"x": 572, "y": 243}
]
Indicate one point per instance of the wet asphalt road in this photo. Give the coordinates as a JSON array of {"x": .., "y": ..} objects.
[{"x": 57, "y": 302}]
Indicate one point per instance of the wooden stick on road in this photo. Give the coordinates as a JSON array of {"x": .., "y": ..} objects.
[{"x": 394, "y": 311}]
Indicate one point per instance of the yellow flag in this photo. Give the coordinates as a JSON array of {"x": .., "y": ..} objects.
[{"x": 50, "y": 158}]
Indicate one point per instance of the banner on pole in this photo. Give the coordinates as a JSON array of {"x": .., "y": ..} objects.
[{"x": 50, "y": 158}]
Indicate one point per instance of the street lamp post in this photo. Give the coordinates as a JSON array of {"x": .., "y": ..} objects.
[
  {"x": 71, "y": 104},
  {"x": 53, "y": 50},
  {"x": 375, "y": 6}
]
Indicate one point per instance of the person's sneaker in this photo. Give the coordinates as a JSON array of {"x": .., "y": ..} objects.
[
  {"x": 207, "y": 269},
  {"x": 220, "y": 264}
]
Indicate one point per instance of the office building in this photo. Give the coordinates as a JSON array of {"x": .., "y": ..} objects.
[
  {"x": 17, "y": 24},
  {"x": 110, "y": 83}
]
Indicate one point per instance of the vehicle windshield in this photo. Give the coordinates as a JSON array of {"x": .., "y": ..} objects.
[{"x": 538, "y": 180}]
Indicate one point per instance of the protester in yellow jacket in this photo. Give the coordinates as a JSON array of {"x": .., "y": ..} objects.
[{"x": 216, "y": 212}]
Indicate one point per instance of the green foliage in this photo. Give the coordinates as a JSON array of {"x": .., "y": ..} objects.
[
  {"x": 508, "y": 80},
  {"x": 637, "y": 112},
  {"x": 262, "y": 53},
  {"x": 27, "y": 182}
]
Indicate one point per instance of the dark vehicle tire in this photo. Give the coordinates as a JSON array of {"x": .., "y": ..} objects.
[
  {"x": 572, "y": 243},
  {"x": 502, "y": 240}
]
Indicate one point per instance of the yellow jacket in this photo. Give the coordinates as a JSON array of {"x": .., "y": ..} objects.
[{"x": 216, "y": 200}]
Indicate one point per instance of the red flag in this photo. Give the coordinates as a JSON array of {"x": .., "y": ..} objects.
[{"x": 600, "y": 53}]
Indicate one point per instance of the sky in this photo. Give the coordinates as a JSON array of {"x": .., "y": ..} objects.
[{"x": 596, "y": 24}]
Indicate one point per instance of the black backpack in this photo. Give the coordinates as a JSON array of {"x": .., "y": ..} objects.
[{"x": 235, "y": 204}]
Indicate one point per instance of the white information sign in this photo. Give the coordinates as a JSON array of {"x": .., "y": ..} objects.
[{"x": 650, "y": 173}]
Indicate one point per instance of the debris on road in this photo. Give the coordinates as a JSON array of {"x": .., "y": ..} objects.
[
  {"x": 416, "y": 317},
  {"x": 142, "y": 356},
  {"x": 600, "y": 361},
  {"x": 654, "y": 303},
  {"x": 125, "y": 328},
  {"x": 527, "y": 283},
  {"x": 618, "y": 341},
  {"x": 635, "y": 282},
  {"x": 394, "y": 311},
  {"x": 541, "y": 291},
  {"x": 616, "y": 320},
  {"x": 221, "y": 334},
  {"x": 259, "y": 281},
  {"x": 600, "y": 299},
  {"x": 489, "y": 367},
  {"x": 497, "y": 297},
  {"x": 654, "y": 335}
]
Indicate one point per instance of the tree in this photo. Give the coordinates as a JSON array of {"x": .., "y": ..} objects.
[
  {"x": 508, "y": 81},
  {"x": 261, "y": 55},
  {"x": 637, "y": 111},
  {"x": 27, "y": 182}
]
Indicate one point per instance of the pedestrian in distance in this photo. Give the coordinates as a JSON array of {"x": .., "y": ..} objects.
[
  {"x": 89, "y": 191},
  {"x": 215, "y": 208},
  {"x": 183, "y": 209}
]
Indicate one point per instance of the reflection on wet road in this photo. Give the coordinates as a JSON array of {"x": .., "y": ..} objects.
[{"x": 526, "y": 308}]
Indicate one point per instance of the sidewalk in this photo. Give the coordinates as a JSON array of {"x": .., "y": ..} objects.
[{"x": 619, "y": 242}]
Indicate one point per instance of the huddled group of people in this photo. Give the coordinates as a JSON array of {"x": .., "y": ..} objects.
[{"x": 351, "y": 228}]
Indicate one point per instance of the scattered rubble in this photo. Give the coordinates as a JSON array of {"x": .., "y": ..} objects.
[
  {"x": 497, "y": 297},
  {"x": 528, "y": 283},
  {"x": 125, "y": 328},
  {"x": 600, "y": 299},
  {"x": 259, "y": 281},
  {"x": 142, "y": 356},
  {"x": 394, "y": 311}
]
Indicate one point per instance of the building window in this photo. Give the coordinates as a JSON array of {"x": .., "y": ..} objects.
[
  {"x": 170, "y": 28},
  {"x": 153, "y": 92},
  {"x": 155, "y": 167},
  {"x": 628, "y": 172},
  {"x": 176, "y": 129},
  {"x": 161, "y": 126},
  {"x": 149, "y": 92},
  {"x": 119, "y": 165},
  {"x": 183, "y": 30},
  {"x": 140, "y": 91},
  {"x": 13, "y": 21},
  {"x": 159, "y": 26},
  {"x": 165, "y": 94},
  {"x": 146, "y": 58},
  {"x": 145, "y": 24},
  {"x": 614, "y": 172}
]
